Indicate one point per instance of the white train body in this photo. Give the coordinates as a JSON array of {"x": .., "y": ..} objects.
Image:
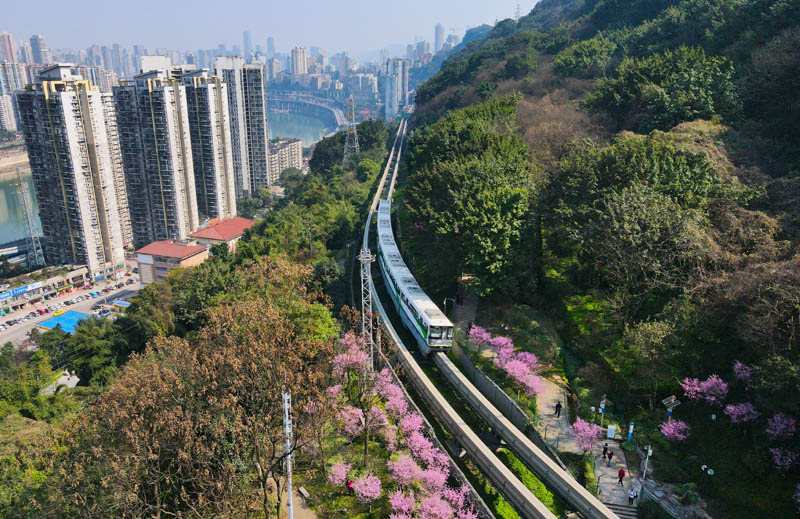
[{"x": 430, "y": 327}]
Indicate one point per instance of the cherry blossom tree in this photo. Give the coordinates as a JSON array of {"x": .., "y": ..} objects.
[
  {"x": 402, "y": 503},
  {"x": 783, "y": 459},
  {"x": 675, "y": 430},
  {"x": 352, "y": 420},
  {"x": 404, "y": 470},
  {"x": 586, "y": 434},
  {"x": 781, "y": 425},
  {"x": 367, "y": 488},
  {"x": 434, "y": 507},
  {"x": 713, "y": 390},
  {"x": 742, "y": 371},
  {"x": 741, "y": 413},
  {"x": 338, "y": 473},
  {"x": 479, "y": 336}
]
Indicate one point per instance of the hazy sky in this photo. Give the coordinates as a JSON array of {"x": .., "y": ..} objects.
[{"x": 356, "y": 26}]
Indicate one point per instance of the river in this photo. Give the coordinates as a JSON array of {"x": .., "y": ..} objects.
[
  {"x": 307, "y": 129},
  {"x": 12, "y": 214}
]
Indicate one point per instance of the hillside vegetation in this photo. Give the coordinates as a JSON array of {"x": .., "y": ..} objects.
[{"x": 632, "y": 168}]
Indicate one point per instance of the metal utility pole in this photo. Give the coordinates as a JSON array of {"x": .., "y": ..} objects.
[
  {"x": 366, "y": 258},
  {"x": 287, "y": 428},
  {"x": 517, "y": 13},
  {"x": 351, "y": 151},
  {"x": 35, "y": 254}
]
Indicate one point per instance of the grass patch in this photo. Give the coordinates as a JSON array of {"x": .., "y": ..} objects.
[
  {"x": 583, "y": 468},
  {"x": 534, "y": 484}
]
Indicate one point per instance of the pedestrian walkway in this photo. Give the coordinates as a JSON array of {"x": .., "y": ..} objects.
[
  {"x": 556, "y": 431},
  {"x": 465, "y": 312}
]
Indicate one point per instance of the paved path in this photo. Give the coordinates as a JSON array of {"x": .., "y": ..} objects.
[{"x": 557, "y": 433}]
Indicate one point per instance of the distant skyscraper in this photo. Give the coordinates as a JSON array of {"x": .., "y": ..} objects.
[
  {"x": 299, "y": 61},
  {"x": 25, "y": 53},
  {"x": 423, "y": 47},
  {"x": 157, "y": 156},
  {"x": 247, "y": 104},
  {"x": 270, "y": 46},
  {"x": 410, "y": 51},
  {"x": 12, "y": 77},
  {"x": 406, "y": 65},
  {"x": 209, "y": 127},
  {"x": 390, "y": 95},
  {"x": 66, "y": 125},
  {"x": 248, "y": 46},
  {"x": 7, "y": 51},
  {"x": 8, "y": 122},
  {"x": 438, "y": 40},
  {"x": 273, "y": 68},
  {"x": 39, "y": 50}
]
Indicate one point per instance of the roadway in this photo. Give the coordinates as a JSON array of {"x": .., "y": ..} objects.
[{"x": 20, "y": 332}]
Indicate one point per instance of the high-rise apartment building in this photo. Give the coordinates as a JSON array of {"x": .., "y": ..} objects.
[
  {"x": 270, "y": 46},
  {"x": 39, "y": 50},
  {"x": 209, "y": 128},
  {"x": 283, "y": 154},
  {"x": 65, "y": 122},
  {"x": 156, "y": 148},
  {"x": 8, "y": 122},
  {"x": 25, "y": 54},
  {"x": 7, "y": 52},
  {"x": 391, "y": 96},
  {"x": 299, "y": 61},
  {"x": 247, "y": 104},
  {"x": 438, "y": 39},
  {"x": 13, "y": 77},
  {"x": 404, "y": 68},
  {"x": 248, "y": 46},
  {"x": 273, "y": 68}
]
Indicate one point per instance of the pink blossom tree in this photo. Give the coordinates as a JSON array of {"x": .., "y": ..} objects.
[
  {"x": 742, "y": 371},
  {"x": 479, "y": 336},
  {"x": 367, "y": 488},
  {"x": 338, "y": 473},
  {"x": 586, "y": 434},
  {"x": 713, "y": 390},
  {"x": 783, "y": 459},
  {"x": 352, "y": 420},
  {"x": 434, "y": 507},
  {"x": 781, "y": 426},
  {"x": 402, "y": 503},
  {"x": 404, "y": 470},
  {"x": 675, "y": 430},
  {"x": 741, "y": 413}
]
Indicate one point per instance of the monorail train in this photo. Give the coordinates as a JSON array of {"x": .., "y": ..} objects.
[{"x": 430, "y": 327}]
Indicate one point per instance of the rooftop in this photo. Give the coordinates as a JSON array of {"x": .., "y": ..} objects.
[
  {"x": 170, "y": 249},
  {"x": 224, "y": 230}
]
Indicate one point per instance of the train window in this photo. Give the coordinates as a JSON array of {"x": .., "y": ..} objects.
[
  {"x": 435, "y": 332},
  {"x": 449, "y": 333}
]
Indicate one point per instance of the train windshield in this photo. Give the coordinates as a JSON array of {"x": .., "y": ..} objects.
[{"x": 436, "y": 332}]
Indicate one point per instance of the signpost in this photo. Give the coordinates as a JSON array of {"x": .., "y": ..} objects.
[
  {"x": 630, "y": 432},
  {"x": 670, "y": 403},
  {"x": 649, "y": 453}
]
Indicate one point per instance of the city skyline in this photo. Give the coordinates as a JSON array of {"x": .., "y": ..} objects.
[{"x": 366, "y": 29}]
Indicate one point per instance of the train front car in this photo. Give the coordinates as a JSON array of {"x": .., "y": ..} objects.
[{"x": 432, "y": 330}]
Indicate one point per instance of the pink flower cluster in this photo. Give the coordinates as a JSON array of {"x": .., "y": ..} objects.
[
  {"x": 352, "y": 419},
  {"x": 742, "y": 371},
  {"x": 741, "y": 413},
  {"x": 354, "y": 358},
  {"x": 367, "y": 488},
  {"x": 520, "y": 367},
  {"x": 338, "y": 473},
  {"x": 783, "y": 459},
  {"x": 713, "y": 389},
  {"x": 781, "y": 425},
  {"x": 586, "y": 434},
  {"x": 675, "y": 430}
]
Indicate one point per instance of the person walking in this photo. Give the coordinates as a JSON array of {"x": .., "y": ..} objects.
[
  {"x": 558, "y": 409},
  {"x": 609, "y": 456},
  {"x": 605, "y": 451},
  {"x": 350, "y": 485},
  {"x": 621, "y": 476},
  {"x": 632, "y": 494}
]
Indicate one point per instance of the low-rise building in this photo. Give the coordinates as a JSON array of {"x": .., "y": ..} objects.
[
  {"x": 228, "y": 231},
  {"x": 158, "y": 258}
]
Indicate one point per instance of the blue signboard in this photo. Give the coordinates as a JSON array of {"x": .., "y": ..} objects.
[
  {"x": 99, "y": 276},
  {"x": 5, "y": 295}
]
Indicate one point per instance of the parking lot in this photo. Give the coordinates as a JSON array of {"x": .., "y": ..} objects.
[{"x": 16, "y": 327}]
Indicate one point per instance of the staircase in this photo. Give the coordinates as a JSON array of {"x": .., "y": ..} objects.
[{"x": 623, "y": 511}]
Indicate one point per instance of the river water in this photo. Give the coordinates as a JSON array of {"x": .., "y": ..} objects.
[
  {"x": 307, "y": 129},
  {"x": 12, "y": 215}
]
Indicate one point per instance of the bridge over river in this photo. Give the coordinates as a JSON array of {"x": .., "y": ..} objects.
[{"x": 324, "y": 109}]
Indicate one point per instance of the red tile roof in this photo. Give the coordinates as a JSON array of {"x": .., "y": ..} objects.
[
  {"x": 225, "y": 230},
  {"x": 170, "y": 249}
]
